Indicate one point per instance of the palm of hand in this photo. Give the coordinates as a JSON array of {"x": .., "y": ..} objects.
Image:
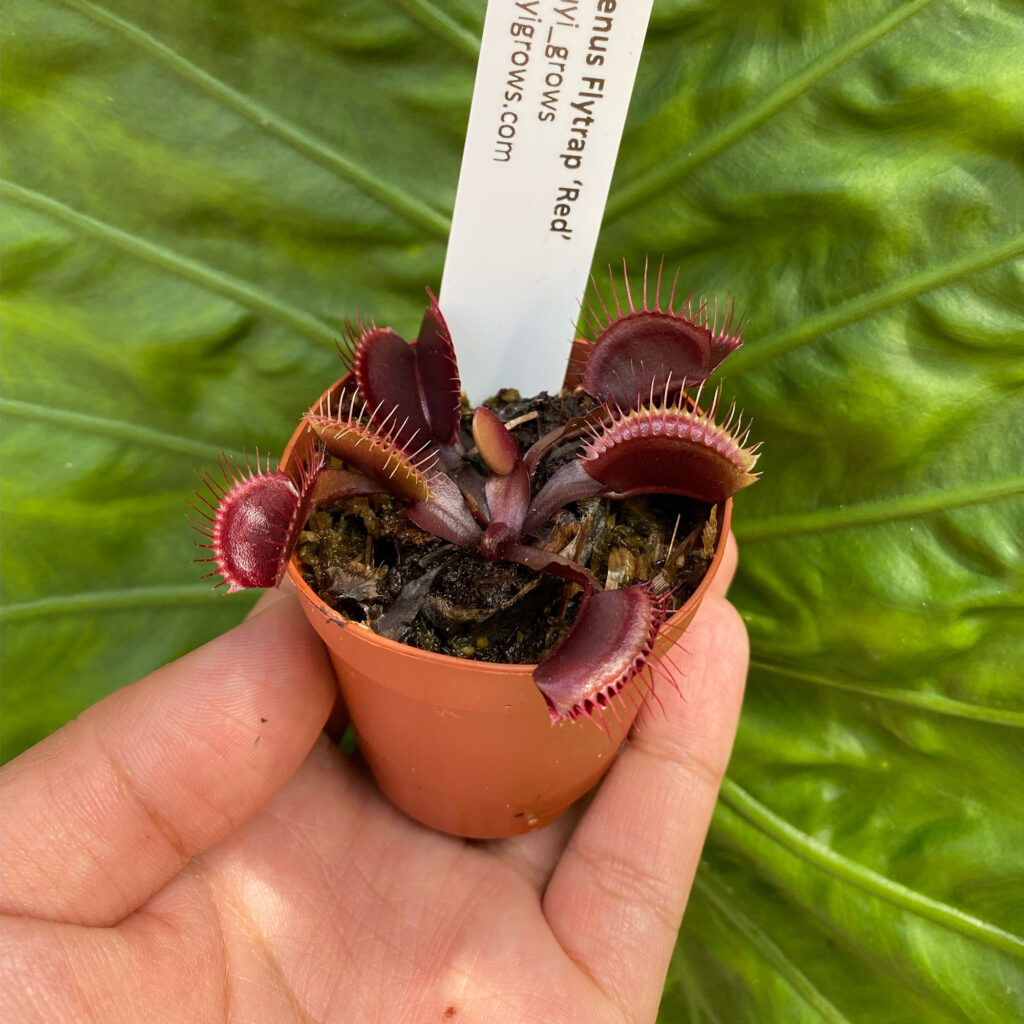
[
  {"x": 329, "y": 876},
  {"x": 236, "y": 877}
]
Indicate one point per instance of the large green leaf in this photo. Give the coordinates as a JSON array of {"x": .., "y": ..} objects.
[{"x": 196, "y": 195}]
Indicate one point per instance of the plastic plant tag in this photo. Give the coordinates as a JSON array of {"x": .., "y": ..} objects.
[{"x": 552, "y": 89}]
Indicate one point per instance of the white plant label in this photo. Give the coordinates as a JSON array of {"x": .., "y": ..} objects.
[{"x": 552, "y": 89}]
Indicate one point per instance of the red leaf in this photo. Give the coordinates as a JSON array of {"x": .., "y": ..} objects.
[
  {"x": 652, "y": 352},
  {"x": 256, "y": 521},
  {"x": 386, "y": 374},
  {"x": 412, "y": 391},
  {"x": 656, "y": 450},
  {"x": 498, "y": 448},
  {"x": 610, "y": 642},
  {"x": 439, "y": 375},
  {"x": 370, "y": 450}
]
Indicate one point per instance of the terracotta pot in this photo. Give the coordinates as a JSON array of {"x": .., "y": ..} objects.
[{"x": 468, "y": 747}]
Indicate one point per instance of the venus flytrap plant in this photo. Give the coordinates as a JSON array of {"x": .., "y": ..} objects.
[{"x": 399, "y": 433}]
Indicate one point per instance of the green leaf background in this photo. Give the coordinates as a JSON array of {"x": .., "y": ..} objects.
[{"x": 195, "y": 196}]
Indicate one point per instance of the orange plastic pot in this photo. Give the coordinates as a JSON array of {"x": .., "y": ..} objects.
[{"x": 468, "y": 747}]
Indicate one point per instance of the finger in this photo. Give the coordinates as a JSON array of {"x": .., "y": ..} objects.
[
  {"x": 267, "y": 599},
  {"x": 623, "y": 881},
  {"x": 65, "y": 972},
  {"x": 727, "y": 570},
  {"x": 283, "y": 592},
  {"x": 337, "y": 720},
  {"x": 100, "y": 815}
]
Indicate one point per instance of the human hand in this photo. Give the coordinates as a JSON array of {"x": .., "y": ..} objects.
[{"x": 188, "y": 849}]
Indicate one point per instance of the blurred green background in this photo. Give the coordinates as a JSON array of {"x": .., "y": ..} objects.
[{"x": 196, "y": 195}]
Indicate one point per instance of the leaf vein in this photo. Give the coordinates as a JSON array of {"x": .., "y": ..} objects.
[
  {"x": 749, "y": 118},
  {"x": 386, "y": 193},
  {"x": 443, "y": 25},
  {"x": 190, "y": 269},
  {"x": 757, "y": 938},
  {"x": 842, "y": 868},
  {"x": 860, "y": 307},
  {"x": 125, "y": 599},
  {"x": 119, "y": 429},
  {"x": 884, "y": 510},
  {"x": 933, "y": 702}
]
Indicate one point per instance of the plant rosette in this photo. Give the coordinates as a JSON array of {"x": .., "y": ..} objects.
[{"x": 479, "y": 748}]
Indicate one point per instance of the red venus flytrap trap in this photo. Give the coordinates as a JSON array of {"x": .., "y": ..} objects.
[{"x": 399, "y": 433}]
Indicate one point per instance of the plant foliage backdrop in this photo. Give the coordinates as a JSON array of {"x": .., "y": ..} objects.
[{"x": 196, "y": 195}]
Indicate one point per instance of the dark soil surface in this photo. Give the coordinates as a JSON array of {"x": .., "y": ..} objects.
[{"x": 365, "y": 559}]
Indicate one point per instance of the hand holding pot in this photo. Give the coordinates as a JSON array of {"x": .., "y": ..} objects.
[{"x": 189, "y": 849}]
